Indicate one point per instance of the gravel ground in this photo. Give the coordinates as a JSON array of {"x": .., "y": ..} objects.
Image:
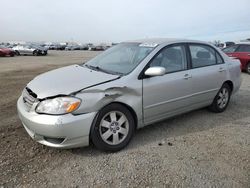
[{"x": 198, "y": 149}]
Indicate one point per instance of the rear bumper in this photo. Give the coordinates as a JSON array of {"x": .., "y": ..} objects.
[{"x": 64, "y": 131}]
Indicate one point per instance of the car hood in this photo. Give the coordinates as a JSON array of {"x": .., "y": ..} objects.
[{"x": 67, "y": 80}]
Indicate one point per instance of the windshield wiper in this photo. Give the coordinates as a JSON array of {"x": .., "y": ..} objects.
[{"x": 97, "y": 68}]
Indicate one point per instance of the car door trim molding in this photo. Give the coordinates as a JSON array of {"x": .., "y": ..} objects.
[{"x": 180, "y": 98}]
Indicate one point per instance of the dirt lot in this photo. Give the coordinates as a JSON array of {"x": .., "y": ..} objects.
[{"x": 198, "y": 149}]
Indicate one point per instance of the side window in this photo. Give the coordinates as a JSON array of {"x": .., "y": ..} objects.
[
  {"x": 219, "y": 59},
  {"x": 171, "y": 58},
  {"x": 243, "y": 48},
  {"x": 202, "y": 55},
  {"x": 230, "y": 49}
]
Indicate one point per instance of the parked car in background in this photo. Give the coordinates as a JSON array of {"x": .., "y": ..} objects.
[
  {"x": 72, "y": 47},
  {"x": 4, "y": 51},
  {"x": 56, "y": 46},
  {"x": 29, "y": 50},
  {"x": 99, "y": 47},
  {"x": 224, "y": 45},
  {"x": 84, "y": 47},
  {"x": 229, "y": 43},
  {"x": 129, "y": 86},
  {"x": 52, "y": 47},
  {"x": 241, "y": 52},
  {"x": 76, "y": 47},
  {"x": 90, "y": 46},
  {"x": 43, "y": 49},
  {"x": 60, "y": 47}
]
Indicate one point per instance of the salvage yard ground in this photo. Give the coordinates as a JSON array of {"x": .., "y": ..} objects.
[{"x": 198, "y": 149}]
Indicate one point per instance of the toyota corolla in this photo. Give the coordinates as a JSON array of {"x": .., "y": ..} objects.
[{"x": 130, "y": 85}]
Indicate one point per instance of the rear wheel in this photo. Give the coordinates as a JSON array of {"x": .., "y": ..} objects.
[
  {"x": 221, "y": 100},
  {"x": 248, "y": 68},
  {"x": 113, "y": 128}
]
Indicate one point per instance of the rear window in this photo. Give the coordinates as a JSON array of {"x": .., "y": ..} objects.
[{"x": 230, "y": 49}]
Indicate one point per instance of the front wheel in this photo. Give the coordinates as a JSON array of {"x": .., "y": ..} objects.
[
  {"x": 113, "y": 128},
  {"x": 221, "y": 100},
  {"x": 17, "y": 52},
  {"x": 35, "y": 53}
]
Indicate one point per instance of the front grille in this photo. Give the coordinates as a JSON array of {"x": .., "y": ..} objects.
[{"x": 29, "y": 97}]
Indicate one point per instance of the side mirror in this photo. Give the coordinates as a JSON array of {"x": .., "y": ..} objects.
[{"x": 155, "y": 71}]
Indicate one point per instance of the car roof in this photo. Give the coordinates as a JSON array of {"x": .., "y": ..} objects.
[{"x": 164, "y": 40}]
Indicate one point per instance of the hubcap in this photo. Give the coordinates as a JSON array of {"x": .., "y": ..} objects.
[
  {"x": 223, "y": 98},
  {"x": 114, "y": 127},
  {"x": 248, "y": 68}
]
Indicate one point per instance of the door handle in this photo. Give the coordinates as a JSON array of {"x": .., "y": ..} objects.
[
  {"x": 221, "y": 69},
  {"x": 248, "y": 54},
  {"x": 187, "y": 76}
]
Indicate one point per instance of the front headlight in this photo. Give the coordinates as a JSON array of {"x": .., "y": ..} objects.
[{"x": 58, "y": 106}]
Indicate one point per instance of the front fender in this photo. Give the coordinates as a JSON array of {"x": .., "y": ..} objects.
[{"x": 95, "y": 99}]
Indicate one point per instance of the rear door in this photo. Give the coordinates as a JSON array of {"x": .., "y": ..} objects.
[{"x": 208, "y": 72}]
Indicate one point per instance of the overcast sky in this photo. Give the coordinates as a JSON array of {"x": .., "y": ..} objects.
[{"x": 119, "y": 20}]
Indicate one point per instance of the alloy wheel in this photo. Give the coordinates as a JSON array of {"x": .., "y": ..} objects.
[
  {"x": 248, "y": 68},
  {"x": 114, "y": 127},
  {"x": 223, "y": 98}
]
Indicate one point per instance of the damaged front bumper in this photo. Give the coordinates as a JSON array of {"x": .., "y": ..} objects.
[{"x": 63, "y": 131}]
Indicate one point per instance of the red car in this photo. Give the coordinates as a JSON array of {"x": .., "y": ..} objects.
[
  {"x": 241, "y": 52},
  {"x": 6, "y": 51}
]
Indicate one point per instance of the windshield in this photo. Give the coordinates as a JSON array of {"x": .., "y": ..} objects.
[
  {"x": 230, "y": 49},
  {"x": 120, "y": 59},
  {"x": 27, "y": 46}
]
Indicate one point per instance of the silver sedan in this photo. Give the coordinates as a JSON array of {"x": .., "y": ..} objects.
[
  {"x": 131, "y": 85},
  {"x": 29, "y": 50}
]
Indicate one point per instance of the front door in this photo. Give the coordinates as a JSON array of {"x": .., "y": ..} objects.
[{"x": 167, "y": 95}]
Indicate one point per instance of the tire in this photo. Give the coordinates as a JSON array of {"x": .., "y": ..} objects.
[
  {"x": 35, "y": 53},
  {"x": 107, "y": 133},
  {"x": 17, "y": 52},
  {"x": 248, "y": 68},
  {"x": 221, "y": 100}
]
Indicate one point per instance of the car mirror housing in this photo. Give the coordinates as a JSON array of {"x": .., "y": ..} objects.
[{"x": 155, "y": 71}]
